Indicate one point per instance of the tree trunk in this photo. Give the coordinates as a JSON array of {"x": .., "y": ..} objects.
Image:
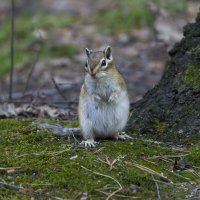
[{"x": 171, "y": 110}]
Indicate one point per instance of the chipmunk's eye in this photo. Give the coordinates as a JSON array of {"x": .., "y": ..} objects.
[{"x": 103, "y": 63}]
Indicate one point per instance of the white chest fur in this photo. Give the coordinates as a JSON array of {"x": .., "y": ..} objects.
[{"x": 99, "y": 117}]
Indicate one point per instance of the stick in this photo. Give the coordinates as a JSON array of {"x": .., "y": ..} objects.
[
  {"x": 100, "y": 174},
  {"x": 8, "y": 168},
  {"x": 151, "y": 171},
  {"x": 39, "y": 102},
  {"x": 12, "y": 38},
  {"x": 157, "y": 187},
  {"x": 26, "y": 191},
  {"x": 43, "y": 153},
  {"x": 58, "y": 89},
  {"x": 178, "y": 175},
  {"x": 33, "y": 67},
  {"x": 169, "y": 156},
  {"x": 110, "y": 177}
]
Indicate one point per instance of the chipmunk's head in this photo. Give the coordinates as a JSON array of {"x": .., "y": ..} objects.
[{"x": 98, "y": 61}]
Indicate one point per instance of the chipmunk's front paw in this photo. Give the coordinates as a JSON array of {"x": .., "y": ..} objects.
[
  {"x": 124, "y": 136},
  {"x": 89, "y": 143},
  {"x": 113, "y": 97},
  {"x": 96, "y": 97}
]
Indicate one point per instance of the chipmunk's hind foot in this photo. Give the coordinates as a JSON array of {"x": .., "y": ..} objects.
[{"x": 89, "y": 143}]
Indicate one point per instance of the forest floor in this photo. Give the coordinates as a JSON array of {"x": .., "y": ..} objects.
[{"x": 40, "y": 165}]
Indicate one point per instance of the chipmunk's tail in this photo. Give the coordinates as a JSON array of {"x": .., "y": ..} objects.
[{"x": 58, "y": 129}]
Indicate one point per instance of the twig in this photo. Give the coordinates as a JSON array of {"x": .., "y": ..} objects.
[
  {"x": 74, "y": 137},
  {"x": 34, "y": 94},
  {"x": 19, "y": 189},
  {"x": 9, "y": 168},
  {"x": 146, "y": 169},
  {"x": 110, "y": 163},
  {"x": 100, "y": 174},
  {"x": 44, "y": 153},
  {"x": 150, "y": 161},
  {"x": 2, "y": 180},
  {"x": 57, "y": 88},
  {"x": 178, "y": 175},
  {"x": 193, "y": 172},
  {"x": 25, "y": 191},
  {"x": 33, "y": 66},
  {"x": 159, "y": 181},
  {"x": 112, "y": 194},
  {"x": 99, "y": 150},
  {"x": 157, "y": 187},
  {"x": 39, "y": 101},
  {"x": 12, "y": 39},
  {"x": 110, "y": 177},
  {"x": 169, "y": 156},
  {"x": 118, "y": 195}
]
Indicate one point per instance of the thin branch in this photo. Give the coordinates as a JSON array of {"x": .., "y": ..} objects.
[
  {"x": 117, "y": 195},
  {"x": 12, "y": 39},
  {"x": 169, "y": 156},
  {"x": 25, "y": 191},
  {"x": 37, "y": 56},
  {"x": 99, "y": 150},
  {"x": 178, "y": 175},
  {"x": 44, "y": 153},
  {"x": 157, "y": 187},
  {"x": 8, "y": 168},
  {"x": 151, "y": 171},
  {"x": 39, "y": 102},
  {"x": 112, "y": 194},
  {"x": 110, "y": 163},
  {"x": 57, "y": 88},
  {"x": 100, "y": 174},
  {"x": 107, "y": 176}
]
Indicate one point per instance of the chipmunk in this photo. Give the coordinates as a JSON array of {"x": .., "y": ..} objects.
[{"x": 103, "y": 102}]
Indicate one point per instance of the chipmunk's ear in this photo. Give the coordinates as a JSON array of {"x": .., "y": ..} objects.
[
  {"x": 107, "y": 52},
  {"x": 87, "y": 52}
]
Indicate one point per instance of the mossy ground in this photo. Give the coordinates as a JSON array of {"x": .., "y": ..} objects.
[{"x": 52, "y": 167}]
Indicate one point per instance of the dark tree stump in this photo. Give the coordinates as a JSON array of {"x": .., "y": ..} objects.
[{"x": 171, "y": 110}]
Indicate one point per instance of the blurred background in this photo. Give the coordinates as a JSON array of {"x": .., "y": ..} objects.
[{"x": 51, "y": 37}]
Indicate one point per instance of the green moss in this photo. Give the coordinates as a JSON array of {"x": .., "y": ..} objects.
[
  {"x": 126, "y": 15},
  {"x": 192, "y": 76},
  {"x": 132, "y": 14},
  {"x": 71, "y": 123},
  {"x": 157, "y": 129},
  {"x": 196, "y": 53},
  {"x": 51, "y": 166},
  {"x": 67, "y": 50},
  {"x": 24, "y": 27}
]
